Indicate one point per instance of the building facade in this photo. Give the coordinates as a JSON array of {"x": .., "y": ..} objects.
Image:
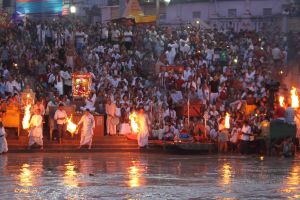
[{"x": 236, "y": 14}]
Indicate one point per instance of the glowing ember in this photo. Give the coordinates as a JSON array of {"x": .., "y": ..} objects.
[
  {"x": 134, "y": 122},
  {"x": 227, "y": 120},
  {"x": 261, "y": 158},
  {"x": 281, "y": 101},
  {"x": 71, "y": 127},
  {"x": 26, "y": 118},
  {"x": 281, "y": 72},
  {"x": 295, "y": 98}
]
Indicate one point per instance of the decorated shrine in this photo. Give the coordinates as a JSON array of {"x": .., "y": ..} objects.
[{"x": 81, "y": 84}]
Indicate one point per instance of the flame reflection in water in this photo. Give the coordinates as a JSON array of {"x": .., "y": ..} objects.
[
  {"x": 70, "y": 175},
  {"x": 26, "y": 176},
  {"x": 226, "y": 174},
  {"x": 292, "y": 185},
  {"x": 135, "y": 173}
]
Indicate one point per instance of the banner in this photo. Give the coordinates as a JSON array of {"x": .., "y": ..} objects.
[{"x": 39, "y": 6}]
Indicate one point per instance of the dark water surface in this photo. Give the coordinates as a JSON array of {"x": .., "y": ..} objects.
[{"x": 147, "y": 176}]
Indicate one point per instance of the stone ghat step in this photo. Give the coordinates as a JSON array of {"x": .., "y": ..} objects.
[
  {"x": 75, "y": 150},
  {"x": 76, "y": 144},
  {"x": 102, "y": 140},
  {"x": 71, "y": 142},
  {"x": 73, "y": 146}
]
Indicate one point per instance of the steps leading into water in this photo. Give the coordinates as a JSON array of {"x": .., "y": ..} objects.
[{"x": 100, "y": 144}]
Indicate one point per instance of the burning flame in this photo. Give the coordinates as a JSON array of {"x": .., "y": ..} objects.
[
  {"x": 295, "y": 98},
  {"x": 281, "y": 101},
  {"x": 26, "y": 118},
  {"x": 71, "y": 127},
  {"x": 227, "y": 120},
  {"x": 134, "y": 122}
]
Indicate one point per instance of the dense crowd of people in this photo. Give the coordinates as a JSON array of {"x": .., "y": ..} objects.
[{"x": 163, "y": 71}]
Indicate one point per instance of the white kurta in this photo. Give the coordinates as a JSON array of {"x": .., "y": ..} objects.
[
  {"x": 59, "y": 85},
  {"x": 88, "y": 124},
  {"x": 142, "y": 136},
  {"x": 36, "y": 132},
  {"x": 3, "y": 142},
  {"x": 90, "y": 104},
  {"x": 111, "y": 113},
  {"x": 125, "y": 129}
]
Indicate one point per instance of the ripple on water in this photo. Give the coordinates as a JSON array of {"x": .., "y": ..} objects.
[{"x": 147, "y": 176}]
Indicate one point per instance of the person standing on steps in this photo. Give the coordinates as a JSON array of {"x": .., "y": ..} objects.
[
  {"x": 36, "y": 130},
  {"x": 88, "y": 124},
  {"x": 110, "y": 109},
  {"x": 144, "y": 124},
  {"x": 60, "y": 117}
]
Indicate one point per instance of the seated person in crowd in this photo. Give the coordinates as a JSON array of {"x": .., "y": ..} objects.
[
  {"x": 176, "y": 96},
  {"x": 90, "y": 102}
]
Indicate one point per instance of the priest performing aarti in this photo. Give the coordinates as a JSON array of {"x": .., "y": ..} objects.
[
  {"x": 36, "y": 130},
  {"x": 140, "y": 124},
  {"x": 87, "y": 122}
]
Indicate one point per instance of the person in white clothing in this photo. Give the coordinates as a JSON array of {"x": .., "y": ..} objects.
[
  {"x": 234, "y": 138},
  {"x": 245, "y": 140},
  {"x": 58, "y": 83},
  {"x": 144, "y": 124},
  {"x": 88, "y": 124},
  {"x": 3, "y": 142},
  {"x": 93, "y": 59},
  {"x": 36, "y": 130},
  {"x": 60, "y": 116},
  {"x": 39, "y": 105},
  {"x": 90, "y": 102},
  {"x": 11, "y": 86},
  {"x": 128, "y": 39},
  {"x": 110, "y": 109},
  {"x": 67, "y": 79}
]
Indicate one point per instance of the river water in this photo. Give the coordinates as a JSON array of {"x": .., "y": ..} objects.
[{"x": 147, "y": 176}]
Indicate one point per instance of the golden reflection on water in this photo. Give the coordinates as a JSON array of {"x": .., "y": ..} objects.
[
  {"x": 135, "y": 173},
  {"x": 26, "y": 176},
  {"x": 70, "y": 175},
  {"x": 292, "y": 185},
  {"x": 226, "y": 173}
]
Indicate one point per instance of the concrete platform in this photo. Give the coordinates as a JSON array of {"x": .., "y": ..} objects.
[
  {"x": 108, "y": 144},
  {"x": 103, "y": 144},
  {"x": 183, "y": 147}
]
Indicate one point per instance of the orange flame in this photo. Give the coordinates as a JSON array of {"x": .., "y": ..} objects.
[
  {"x": 227, "y": 120},
  {"x": 134, "y": 122},
  {"x": 281, "y": 101},
  {"x": 295, "y": 98},
  {"x": 26, "y": 118},
  {"x": 71, "y": 127}
]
